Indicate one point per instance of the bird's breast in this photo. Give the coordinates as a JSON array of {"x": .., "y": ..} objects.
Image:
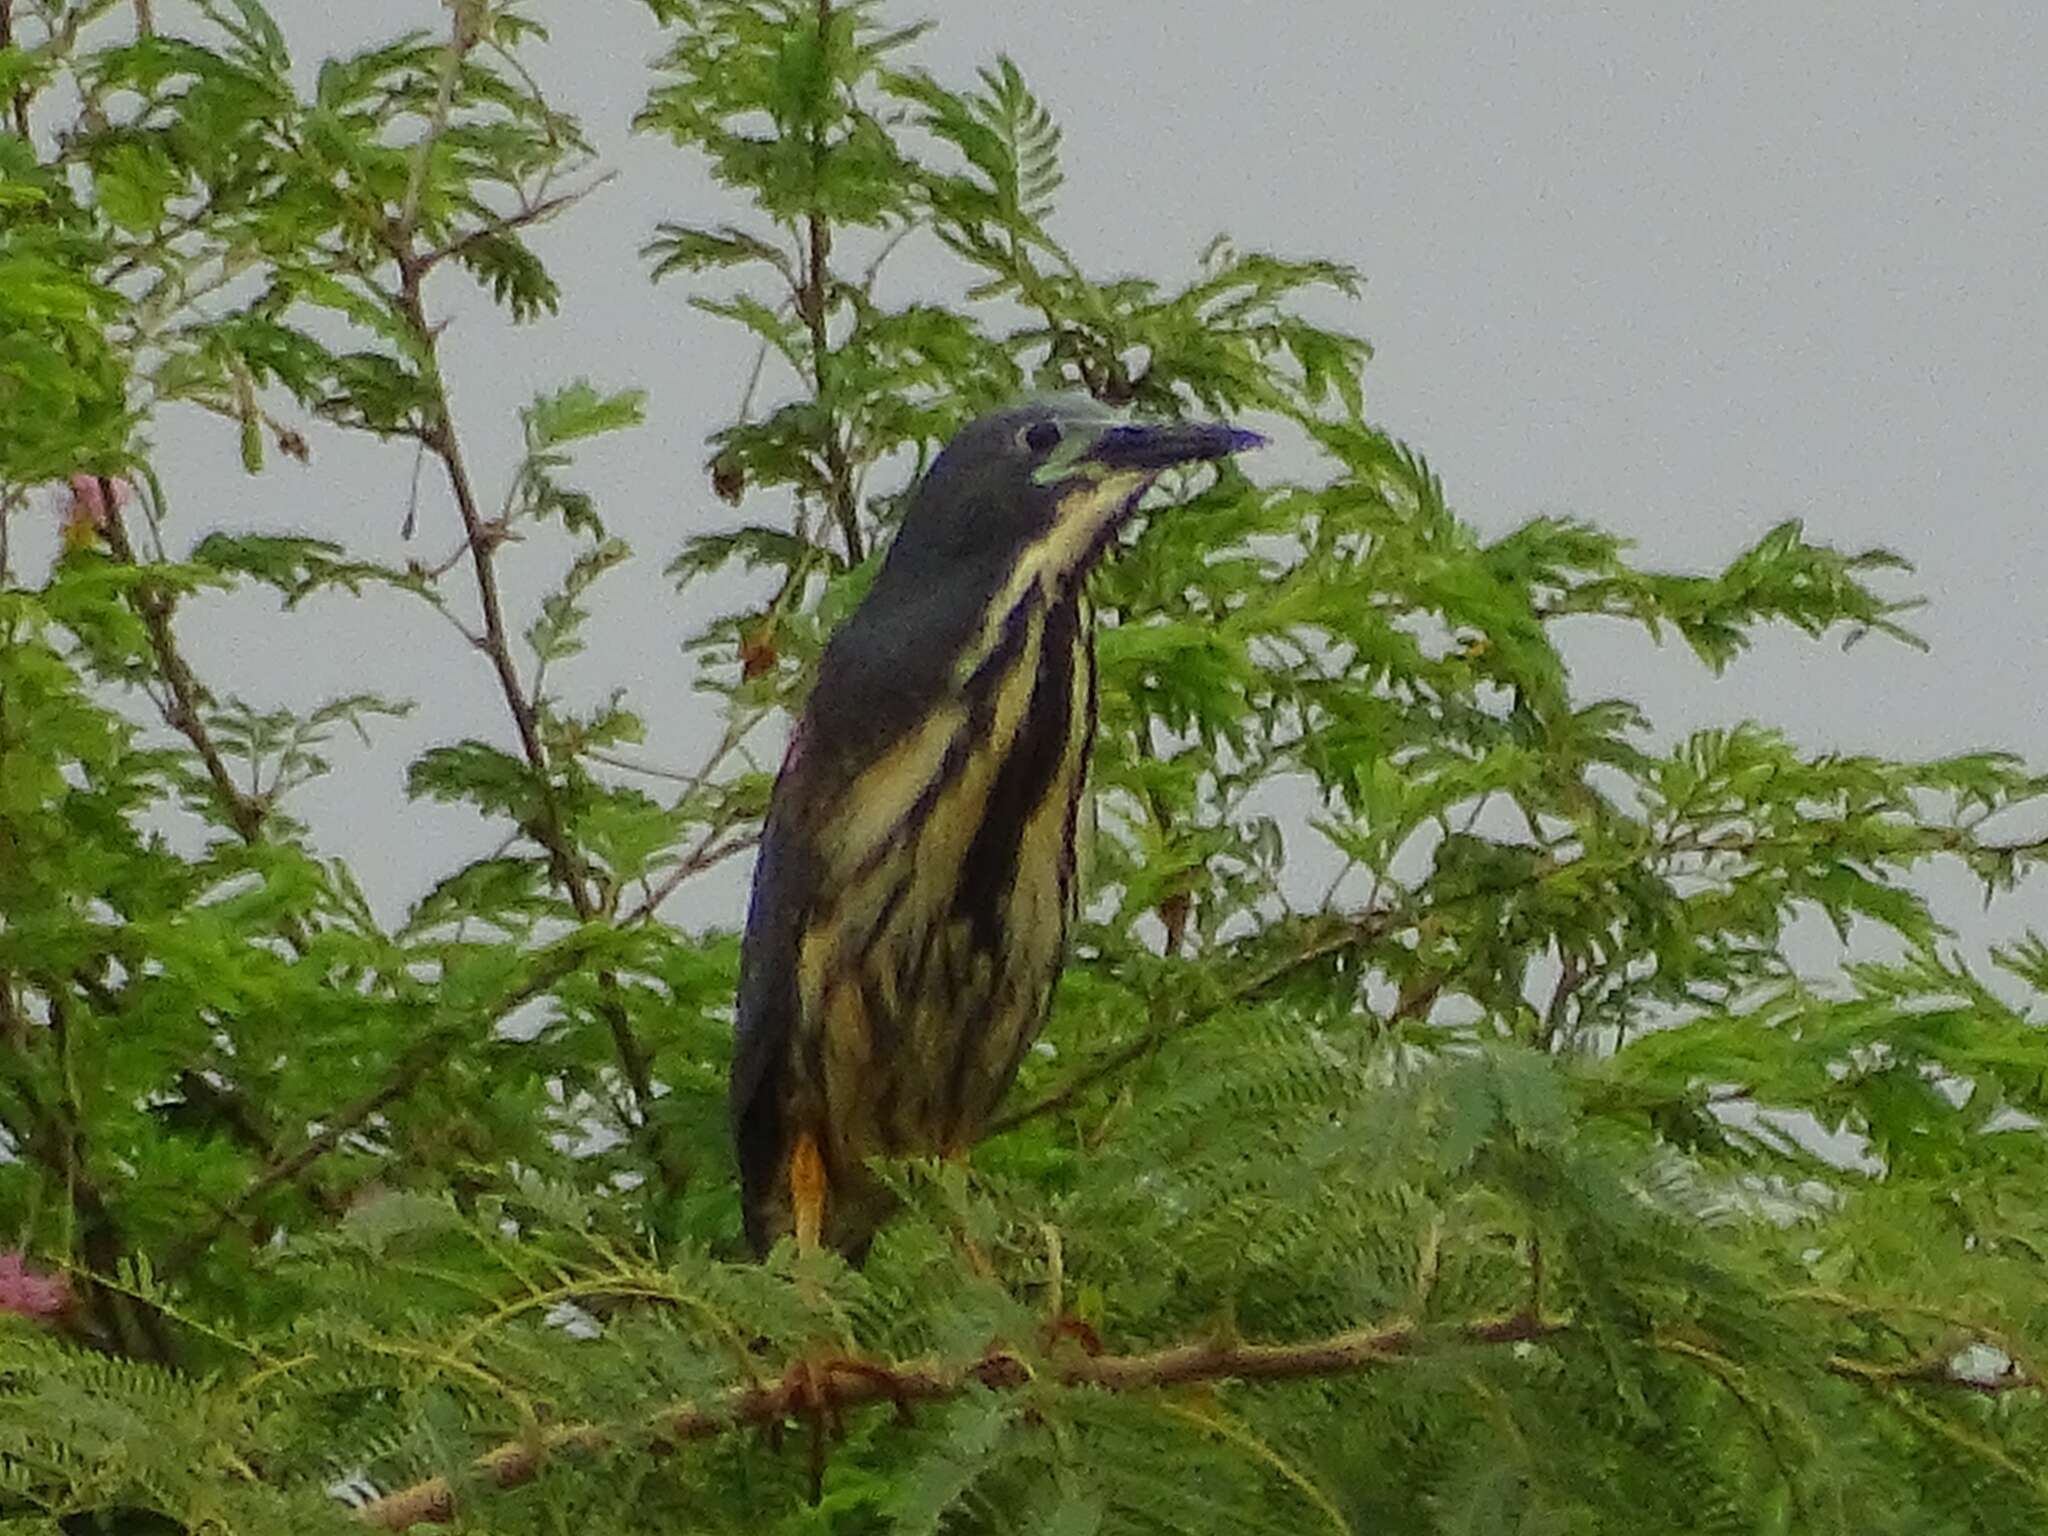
[{"x": 932, "y": 968}]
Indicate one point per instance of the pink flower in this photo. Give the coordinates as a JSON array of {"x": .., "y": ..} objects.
[
  {"x": 30, "y": 1292},
  {"x": 88, "y": 513}
]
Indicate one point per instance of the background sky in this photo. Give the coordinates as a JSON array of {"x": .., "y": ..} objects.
[{"x": 1685, "y": 270}]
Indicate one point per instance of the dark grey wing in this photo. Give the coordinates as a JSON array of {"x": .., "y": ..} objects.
[
  {"x": 766, "y": 1015},
  {"x": 843, "y": 727}
]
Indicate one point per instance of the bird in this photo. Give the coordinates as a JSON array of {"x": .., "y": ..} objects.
[{"x": 917, "y": 876}]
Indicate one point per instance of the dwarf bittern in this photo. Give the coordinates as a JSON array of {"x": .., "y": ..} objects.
[{"x": 917, "y": 874}]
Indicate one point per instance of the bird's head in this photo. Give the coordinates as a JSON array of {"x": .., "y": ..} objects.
[{"x": 1043, "y": 487}]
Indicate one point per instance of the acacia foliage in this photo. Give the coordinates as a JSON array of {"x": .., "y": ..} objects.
[{"x": 1641, "y": 1226}]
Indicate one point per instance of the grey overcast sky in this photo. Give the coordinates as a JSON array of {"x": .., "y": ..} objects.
[{"x": 1684, "y": 269}]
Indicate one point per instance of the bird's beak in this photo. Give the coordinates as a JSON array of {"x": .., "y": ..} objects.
[{"x": 1154, "y": 446}]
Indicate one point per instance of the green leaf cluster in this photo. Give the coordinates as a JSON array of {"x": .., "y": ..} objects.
[{"x": 1500, "y": 1099}]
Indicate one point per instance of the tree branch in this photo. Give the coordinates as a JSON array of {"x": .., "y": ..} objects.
[
  {"x": 400, "y": 237},
  {"x": 547, "y": 827},
  {"x": 1347, "y": 933},
  {"x": 827, "y": 1389},
  {"x": 707, "y": 853},
  {"x": 832, "y": 1387}
]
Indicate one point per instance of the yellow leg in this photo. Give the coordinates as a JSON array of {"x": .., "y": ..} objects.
[{"x": 807, "y": 1193}]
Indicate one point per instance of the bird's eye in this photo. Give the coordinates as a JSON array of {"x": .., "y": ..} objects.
[{"x": 1042, "y": 436}]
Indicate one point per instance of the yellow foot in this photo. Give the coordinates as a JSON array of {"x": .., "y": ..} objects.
[{"x": 807, "y": 1192}]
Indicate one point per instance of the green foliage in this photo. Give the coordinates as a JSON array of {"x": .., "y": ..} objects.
[{"x": 1557, "y": 1195}]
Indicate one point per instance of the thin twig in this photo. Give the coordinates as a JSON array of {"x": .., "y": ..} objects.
[
  {"x": 525, "y": 217},
  {"x": 1571, "y": 975},
  {"x": 1342, "y": 935},
  {"x": 813, "y": 300},
  {"x": 737, "y": 728},
  {"x": 182, "y": 713},
  {"x": 626, "y": 764},
  {"x": 708, "y": 853},
  {"x": 11, "y": 502}
]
